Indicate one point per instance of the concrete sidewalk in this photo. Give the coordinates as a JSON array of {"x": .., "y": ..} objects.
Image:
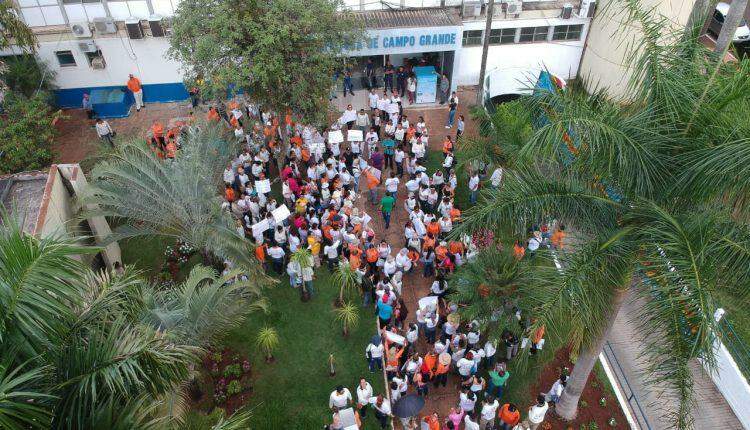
[{"x": 711, "y": 410}]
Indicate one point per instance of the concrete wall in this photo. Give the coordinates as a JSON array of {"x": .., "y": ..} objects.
[
  {"x": 559, "y": 57},
  {"x": 57, "y": 208},
  {"x": 607, "y": 50}
]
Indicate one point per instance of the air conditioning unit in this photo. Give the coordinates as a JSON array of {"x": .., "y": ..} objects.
[
  {"x": 567, "y": 11},
  {"x": 133, "y": 26},
  {"x": 80, "y": 29},
  {"x": 105, "y": 25},
  {"x": 98, "y": 63},
  {"x": 156, "y": 22},
  {"x": 471, "y": 9},
  {"x": 513, "y": 7},
  {"x": 588, "y": 7},
  {"x": 87, "y": 46}
]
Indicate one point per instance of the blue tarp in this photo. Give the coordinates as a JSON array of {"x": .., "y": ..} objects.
[
  {"x": 110, "y": 103},
  {"x": 152, "y": 93}
]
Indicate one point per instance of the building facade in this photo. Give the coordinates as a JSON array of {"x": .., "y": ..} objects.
[{"x": 96, "y": 43}]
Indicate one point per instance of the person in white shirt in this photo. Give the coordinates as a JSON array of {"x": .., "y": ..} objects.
[
  {"x": 373, "y": 99},
  {"x": 391, "y": 184},
  {"x": 537, "y": 413},
  {"x": 398, "y": 134},
  {"x": 497, "y": 177},
  {"x": 469, "y": 423},
  {"x": 228, "y": 175},
  {"x": 467, "y": 400},
  {"x": 104, "y": 131},
  {"x": 382, "y": 410},
  {"x": 487, "y": 416},
  {"x": 465, "y": 365},
  {"x": 349, "y": 117},
  {"x": 398, "y": 158},
  {"x": 340, "y": 398},
  {"x": 374, "y": 354},
  {"x": 332, "y": 254},
  {"x": 276, "y": 253},
  {"x": 553, "y": 395},
  {"x": 364, "y": 394},
  {"x": 473, "y": 187}
]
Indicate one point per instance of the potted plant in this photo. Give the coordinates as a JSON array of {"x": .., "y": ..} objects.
[
  {"x": 348, "y": 316},
  {"x": 347, "y": 279},
  {"x": 267, "y": 341}
]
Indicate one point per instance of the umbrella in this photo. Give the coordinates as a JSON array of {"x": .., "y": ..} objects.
[
  {"x": 375, "y": 340},
  {"x": 408, "y": 406}
]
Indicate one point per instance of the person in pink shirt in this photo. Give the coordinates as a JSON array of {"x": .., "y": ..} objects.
[{"x": 455, "y": 417}]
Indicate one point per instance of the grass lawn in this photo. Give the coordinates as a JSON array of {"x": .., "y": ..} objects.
[
  {"x": 293, "y": 391},
  {"x": 737, "y": 315},
  {"x": 146, "y": 253}
]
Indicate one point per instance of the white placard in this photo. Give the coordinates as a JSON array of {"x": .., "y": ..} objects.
[
  {"x": 392, "y": 108},
  {"x": 395, "y": 338},
  {"x": 366, "y": 220},
  {"x": 317, "y": 147},
  {"x": 260, "y": 227},
  {"x": 383, "y": 104},
  {"x": 280, "y": 213},
  {"x": 335, "y": 136},
  {"x": 348, "y": 116},
  {"x": 375, "y": 172},
  {"x": 428, "y": 303},
  {"x": 354, "y": 136},
  {"x": 263, "y": 186}
]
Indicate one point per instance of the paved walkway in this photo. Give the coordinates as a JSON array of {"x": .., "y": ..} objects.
[{"x": 711, "y": 410}]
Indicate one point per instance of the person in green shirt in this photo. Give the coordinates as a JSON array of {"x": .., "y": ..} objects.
[
  {"x": 386, "y": 207},
  {"x": 498, "y": 378}
]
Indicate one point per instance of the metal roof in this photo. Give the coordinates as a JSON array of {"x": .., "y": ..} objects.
[{"x": 397, "y": 18}]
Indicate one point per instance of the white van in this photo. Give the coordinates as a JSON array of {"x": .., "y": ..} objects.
[{"x": 717, "y": 20}]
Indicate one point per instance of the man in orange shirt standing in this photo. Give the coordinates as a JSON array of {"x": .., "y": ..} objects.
[
  {"x": 157, "y": 129},
  {"x": 134, "y": 85}
]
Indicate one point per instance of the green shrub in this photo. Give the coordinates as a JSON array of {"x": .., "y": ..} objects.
[
  {"x": 233, "y": 371},
  {"x": 234, "y": 387},
  {"x": 24, "y": 74},
  {"x": 26, "y": 133}
]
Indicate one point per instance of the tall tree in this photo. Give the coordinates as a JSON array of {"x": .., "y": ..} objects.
[
  {"x": 283, "y": 53},
  {"x": 655, "y": 191},
  {"x": 14, "y": 32}
]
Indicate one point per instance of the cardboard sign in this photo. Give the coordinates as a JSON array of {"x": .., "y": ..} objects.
[
  {"x": 348, "y": 116},
  {"x": 428, "y": 303},
  {"x": 354, "y": 136},
  {"x": 383, "y": 104},
  {"x": 375, "y": 172},
  {"x": 263, "y": 186},
  {"x": 335, "y": 136},
  {"x": 260, "y": 227},
  {"x": 281, "y": 213},
  {"x": 395, "y": 338},
  {"x": 366, "y": 220}
]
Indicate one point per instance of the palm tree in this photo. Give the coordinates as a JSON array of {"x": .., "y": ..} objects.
[
  {"x": 81, "y": 350},
  {"x": 177, "y": 199},
  {"x": 303, "y": 258},
  {"x": 655, "y": 190},
  {"x": 348, "y": 316},
  {"x": 267, "y": 341},
  {"x": 347, "y": 279}
]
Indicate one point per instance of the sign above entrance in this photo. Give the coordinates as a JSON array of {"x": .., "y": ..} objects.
[{"x": 407, "y": 41}]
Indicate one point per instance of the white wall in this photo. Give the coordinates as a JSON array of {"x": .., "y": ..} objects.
[
  {"x": 144, "y": 58},
  {"x": 559, "y": 57}
]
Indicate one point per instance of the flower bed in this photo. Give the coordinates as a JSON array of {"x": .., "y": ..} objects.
[{"x": 225, "y": 381}]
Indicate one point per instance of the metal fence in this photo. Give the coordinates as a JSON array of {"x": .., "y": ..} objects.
[
  {"x": 736, "y": 346},
  {"x": 630, "y": 397}
]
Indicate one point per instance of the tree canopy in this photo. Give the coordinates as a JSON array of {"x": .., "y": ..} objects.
[{"x": 282, "y": 52}]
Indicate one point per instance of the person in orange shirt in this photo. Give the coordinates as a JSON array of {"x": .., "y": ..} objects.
[
  {"x": 509, "y": 416},
  {"x": 455, "y": 214},
  {"x": 171, "y": 149},
  {"x": 355, "y": 257},
  {"x": 372, "y": 185},
  {"x": 558, "y": 237},
  {"x": 432, "y": 421},
  {"x": 456, "y": 247},
  {"x": 157, "y": 132},
  {"x": 447, "y": 145},
  {"x": 433, "y": 228},
  {"x": 441, "y": 370},
  {"x": 213, "y": 115},
  {"x": 518, "y": 250},
  {"x": 229, "y": 193},
  {"x": 260, "y": 254},
  {"x": 441, "y": 251},
  {"x": 372, "y": 258},
  {"x": 134, "y": 85}
]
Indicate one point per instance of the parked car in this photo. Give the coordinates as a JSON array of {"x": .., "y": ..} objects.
[{"x": 717, "y": 20}]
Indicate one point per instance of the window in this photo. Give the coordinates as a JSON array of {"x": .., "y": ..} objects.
[
  {"x": 80, "y": 1},
  {"x": 533, "y": 34},
  {"x": 93, "y": 55},
  {"x": 472, "y": 37},
  {"x": 502, "y": 36},
  {"x": 65, "y": 58},
  {"x": 718, "y": 16},
  {"x": 567, "y": 32}
]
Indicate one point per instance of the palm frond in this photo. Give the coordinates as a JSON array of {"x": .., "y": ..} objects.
[{"x": 23, "y": 404}]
